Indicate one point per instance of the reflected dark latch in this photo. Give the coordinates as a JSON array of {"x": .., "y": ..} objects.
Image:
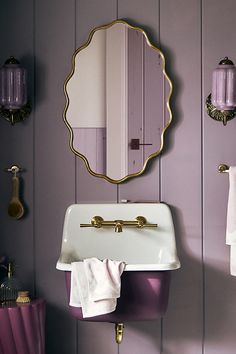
[{"x": 135, "y": 144}]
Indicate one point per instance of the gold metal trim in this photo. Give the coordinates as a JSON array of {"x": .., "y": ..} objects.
[
  {"x": 67, "y": 103},
  {"x": 223, "y": 168},
  {"x": 98, "y": 222},
  {"x": 14, "y": 169},
  {"x": 219, "y": 115},
  {"x": 119, "y": 331}
]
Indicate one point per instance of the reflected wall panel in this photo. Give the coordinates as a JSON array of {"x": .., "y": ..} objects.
[
  {"x": 90, "y": 14},
  {"x": 146, "y": 15},
  {"x": 135, "y": 99}
]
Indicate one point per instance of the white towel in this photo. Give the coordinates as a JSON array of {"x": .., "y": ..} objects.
[
  {"x": 233, "y": 260},
  {"x": 231, "y": 219},
  {"x": 95, "y": 285}
]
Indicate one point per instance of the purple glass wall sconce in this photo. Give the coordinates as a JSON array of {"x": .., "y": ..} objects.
[
  {"x": 14, "y": 106},
  {"x": 221, "y": 103}
]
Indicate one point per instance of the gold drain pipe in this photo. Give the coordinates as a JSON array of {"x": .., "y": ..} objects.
[{"x": 119, "y": 330}]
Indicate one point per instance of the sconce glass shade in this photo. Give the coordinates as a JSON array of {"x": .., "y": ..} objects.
[
  {"x": 13, "y": 92},
  {"x": 223, "y": 95},
  {"x": 13, "y": 89}
]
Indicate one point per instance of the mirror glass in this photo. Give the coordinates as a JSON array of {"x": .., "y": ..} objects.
[{"x": 117, "y": 101}]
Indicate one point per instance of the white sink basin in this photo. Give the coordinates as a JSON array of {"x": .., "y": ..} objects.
[
  {"x": 139, "y": 248},
  {"x": 149, "y": 254}
]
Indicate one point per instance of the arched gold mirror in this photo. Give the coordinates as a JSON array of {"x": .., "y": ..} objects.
[{"x": 117, "y": 101}]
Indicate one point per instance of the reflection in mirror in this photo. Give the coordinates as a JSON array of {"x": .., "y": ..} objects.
[{"x": 117, "y": 101}]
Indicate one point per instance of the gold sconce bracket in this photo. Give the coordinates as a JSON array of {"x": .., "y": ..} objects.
[
  {"x": 16, "y": 116},
  {"x": 216, "y": 114}
]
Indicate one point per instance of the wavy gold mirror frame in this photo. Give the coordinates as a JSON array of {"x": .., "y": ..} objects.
[{"x": 166, "y": 105}]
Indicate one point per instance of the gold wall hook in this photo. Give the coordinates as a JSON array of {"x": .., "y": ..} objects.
[{"x": 14, "y": 169}]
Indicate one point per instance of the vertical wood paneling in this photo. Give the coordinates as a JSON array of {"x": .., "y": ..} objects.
[
  {"x": 54, "y": 165},
  {"x": 90, "y": 14},
  {"x": 91, "y": 142},
  {"x": 181, "y": 173},
  {"x": 153, "y": 101},
  {"x": 46, "y": 36},
  {"x": 145, "y": 336},
  {"x": 219, "y": 146},
  {"x": 144, "y": 14},
  {"x": 135, "y": 99},
  {"x": 16, "y": 144}
]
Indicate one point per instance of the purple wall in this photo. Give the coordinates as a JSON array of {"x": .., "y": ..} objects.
[{"x": 43, "y": 35}]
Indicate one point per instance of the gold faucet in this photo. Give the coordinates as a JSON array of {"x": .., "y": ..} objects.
[
  {"x": 98, "y": 222},
  {"x": 118, "y": 225}
]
